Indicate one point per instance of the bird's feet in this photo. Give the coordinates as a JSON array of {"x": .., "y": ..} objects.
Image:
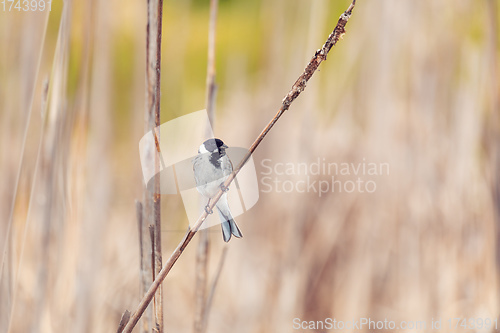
[
  {"x": 208, "y": 210},
  {"x": 224, "y": 188}
]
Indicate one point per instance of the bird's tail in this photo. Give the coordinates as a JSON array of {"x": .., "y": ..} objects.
[
  {"x": 228, "y": 225},
  {"x": 228, "y": 228}
]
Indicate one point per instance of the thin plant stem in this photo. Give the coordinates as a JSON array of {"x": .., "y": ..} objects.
[
  {"x": 49, "y": 94},
  {"x": 292, "y": 95},
  {"x": 145, "y": 267},
  {"x": 123, "y": 321},
  {"x": 4, "y": 239},
  {"x": 153, "y": 92},
  {"x": 213, "y": 288},
  {"x": 203, "y": 251}
]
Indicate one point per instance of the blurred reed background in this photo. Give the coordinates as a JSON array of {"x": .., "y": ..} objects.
[{"x": 414, "y": 84}]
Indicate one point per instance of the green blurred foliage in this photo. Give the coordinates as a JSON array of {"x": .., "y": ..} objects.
[{"x": 239, "y": 35}]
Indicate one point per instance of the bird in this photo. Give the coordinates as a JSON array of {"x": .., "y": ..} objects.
[{"x": 211, "y": 168}]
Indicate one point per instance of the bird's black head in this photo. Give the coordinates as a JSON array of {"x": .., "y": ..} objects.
[{"x": 213, "y": 146}]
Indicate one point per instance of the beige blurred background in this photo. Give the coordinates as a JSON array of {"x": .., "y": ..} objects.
[{"x": 413, "y": 85}]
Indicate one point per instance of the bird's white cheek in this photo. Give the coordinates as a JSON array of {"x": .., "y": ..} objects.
[{"x": 202, "y": 149}]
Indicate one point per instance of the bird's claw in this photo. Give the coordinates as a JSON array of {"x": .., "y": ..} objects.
[
  {"x": 224, "y": 188},
  {"x": 208, "y": 210}
]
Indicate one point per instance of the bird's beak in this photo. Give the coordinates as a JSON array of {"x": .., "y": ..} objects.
[{"x": 224, "y": 146}]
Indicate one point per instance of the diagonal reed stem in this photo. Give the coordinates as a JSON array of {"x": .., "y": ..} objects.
[{"x": 292, "y": 95}]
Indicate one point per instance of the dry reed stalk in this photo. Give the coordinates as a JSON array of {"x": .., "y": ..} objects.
[
  {"x": 123, "y": 321},
  {"x": 150, "y": 221},
  {"x": 202, "y": 254},
  {"x": 211, "y": 86},
  {"x": 210, "y": 298},
  {"x": 153, "y": 92},
  {"x": 46, "y": 162},
  {"x": 296, "y": 90},
  {"x": 4, "y": 238},
  {"x": 45, "y": 245},
  {"x": 145, "y": 263},
  {"x": 493, "y": 127}
]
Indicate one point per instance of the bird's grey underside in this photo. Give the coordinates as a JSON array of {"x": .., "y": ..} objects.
[{"x": 208, "y": 179}]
